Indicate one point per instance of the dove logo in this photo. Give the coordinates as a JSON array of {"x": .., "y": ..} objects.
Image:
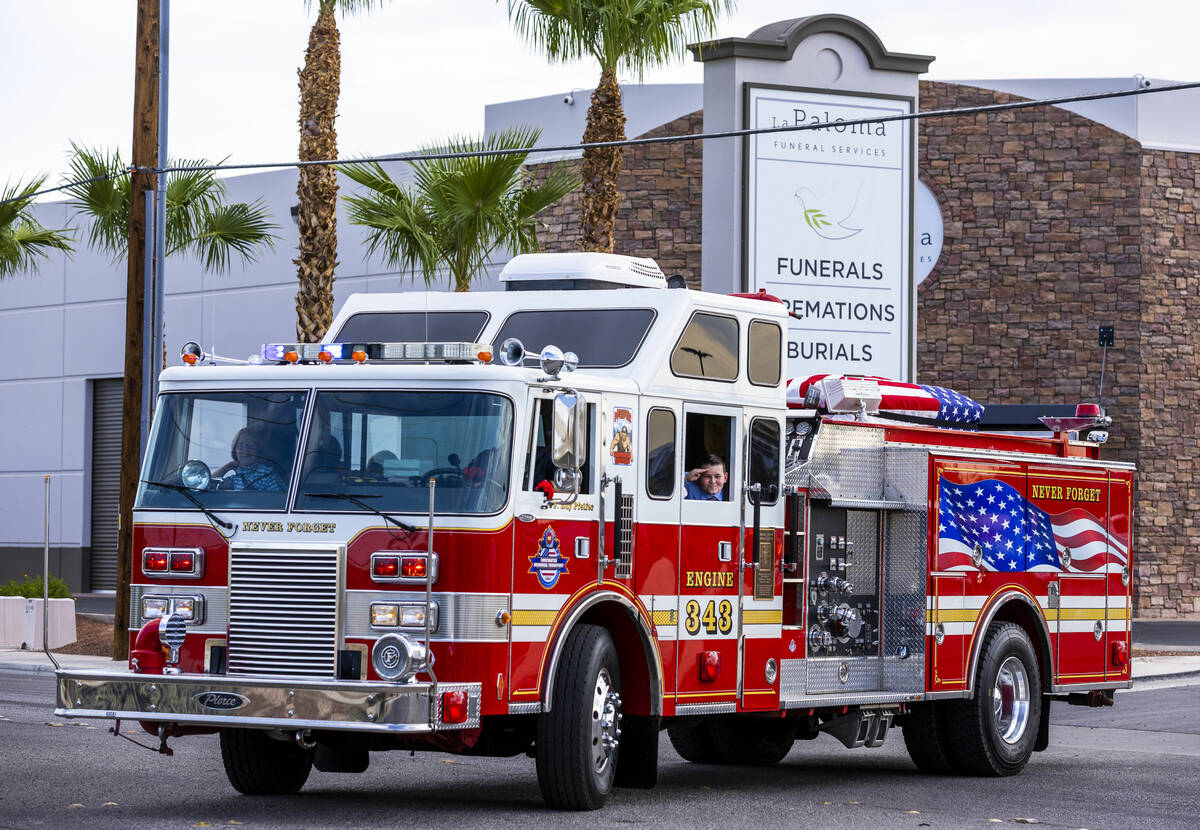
[{"x": 819, "y": 218}]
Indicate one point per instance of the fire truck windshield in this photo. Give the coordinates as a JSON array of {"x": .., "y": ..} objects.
[
  {"x": 386, "y": 446},
  {"x": 231, "y": 450}
]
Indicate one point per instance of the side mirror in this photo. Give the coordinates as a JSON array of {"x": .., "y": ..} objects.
[{"x": 570, "y": 431}]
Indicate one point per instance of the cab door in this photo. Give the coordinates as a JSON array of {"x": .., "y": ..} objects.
[
  {"x": 708, "y": 611},
  {"x": 761, "y": 610}
]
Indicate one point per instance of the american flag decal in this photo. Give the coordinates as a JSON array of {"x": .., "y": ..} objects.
[{"x": 1015, "y": 535}]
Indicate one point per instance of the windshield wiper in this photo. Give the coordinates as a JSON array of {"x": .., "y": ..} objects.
[
  {"x": 358, "y": 500},
  {"x": 179, "y": 488}
]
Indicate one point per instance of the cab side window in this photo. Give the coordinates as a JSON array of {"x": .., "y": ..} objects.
[
  {"x": 764, "y": 453},
  {"x": 708, "y": 348},
  {"x": 660, "y": 454},
  {"x": 708, "y": 457},
  {"x": 765, "y": 353},
  {"x": 540, "y": 447}
]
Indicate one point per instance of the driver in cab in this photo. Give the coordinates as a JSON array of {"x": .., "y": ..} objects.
[{"x": 249, "y": 468}]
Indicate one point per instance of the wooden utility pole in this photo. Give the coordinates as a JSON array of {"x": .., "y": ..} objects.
[{"x": 145, "y": 154}]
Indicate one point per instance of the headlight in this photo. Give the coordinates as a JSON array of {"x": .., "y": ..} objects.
[
  {"x": 185, "y": 607},
  {"x": 155, "y": 607},
  {"x": 188, "y": 607},
  {"x": 403, "y": 615}
]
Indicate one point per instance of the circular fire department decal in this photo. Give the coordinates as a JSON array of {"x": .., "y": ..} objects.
[{"x": 548, "y": 564}]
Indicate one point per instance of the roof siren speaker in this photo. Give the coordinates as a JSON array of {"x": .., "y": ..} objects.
[{"x": 512, "y": 352}]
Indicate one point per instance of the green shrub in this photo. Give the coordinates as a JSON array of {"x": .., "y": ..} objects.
[{"x": 31, "y": 588}]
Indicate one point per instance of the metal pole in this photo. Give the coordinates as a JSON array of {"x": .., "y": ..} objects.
[
  {"x": 46, "y": 583},
  {"x": 433, "y": 681},
  {"x": 147, "y": 335},
  {"x": 160, "y": 223}
]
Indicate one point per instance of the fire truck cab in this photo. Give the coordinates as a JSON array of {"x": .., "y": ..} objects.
[{"x": 422, "y": 535}]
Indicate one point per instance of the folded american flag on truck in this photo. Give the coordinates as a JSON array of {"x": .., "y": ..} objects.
[{"x": 916, "y": 400}]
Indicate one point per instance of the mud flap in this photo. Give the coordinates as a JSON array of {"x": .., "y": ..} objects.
[
  {"x": 1043, "y": 736},
  {"x": 637, "y": 761}
]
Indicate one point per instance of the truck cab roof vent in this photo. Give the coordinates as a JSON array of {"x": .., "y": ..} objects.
[{"x": 582, "y": 270}]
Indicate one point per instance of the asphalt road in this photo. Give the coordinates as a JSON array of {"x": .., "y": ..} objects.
[{"x": 1131, "y": 766}]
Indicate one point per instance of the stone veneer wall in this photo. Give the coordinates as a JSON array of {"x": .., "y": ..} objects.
[
  {"x": 1054, "y": 226},
  {"x": 660, "y": 214},
  {"x": 1169, "y": 461}
]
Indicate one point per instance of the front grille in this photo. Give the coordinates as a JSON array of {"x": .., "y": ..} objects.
[{"x": 283, "y": 612}]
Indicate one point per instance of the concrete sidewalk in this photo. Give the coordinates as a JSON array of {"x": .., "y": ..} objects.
[{"x": 1172, "y": 667}]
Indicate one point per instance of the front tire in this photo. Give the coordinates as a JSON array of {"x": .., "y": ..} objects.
[
  {"x": 257, "y": 764},
  {"x": 993, "y": 734},
  {"x": 578, "y": 739}
]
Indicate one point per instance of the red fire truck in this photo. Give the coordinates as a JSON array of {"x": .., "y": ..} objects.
[{"x": 418, "y": 536}]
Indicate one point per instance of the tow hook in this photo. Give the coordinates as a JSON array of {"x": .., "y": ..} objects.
[{"x": 304, "y": 739}]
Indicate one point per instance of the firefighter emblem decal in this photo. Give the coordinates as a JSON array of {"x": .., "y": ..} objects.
[
  {"x": 548, "y": 564},
  {"x": 621, "y": 446}
]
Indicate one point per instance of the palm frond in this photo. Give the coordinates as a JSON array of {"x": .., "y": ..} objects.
[
  {"x": 23, "y": 240},
  {"x": 101, "y": 193},
  {"x": 240, "y": 228},
  {"x": 401, "y": 230},
  {"x": 630, "y": 35},
  {"x": 458, "y": 210}
]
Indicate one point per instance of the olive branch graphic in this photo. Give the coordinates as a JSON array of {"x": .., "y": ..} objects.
[{"x": 815, "y": 218}]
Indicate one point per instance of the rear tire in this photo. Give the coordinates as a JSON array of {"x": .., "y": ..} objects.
[
  {"x": 927, "y": 738},
  {"x": 993, "y": 734},
  {"x": 694, "y": 743},
  {"x": 257, "y": 764},
  {"x": 577, "y": 740},
  {"x": 752, "y": 742}
]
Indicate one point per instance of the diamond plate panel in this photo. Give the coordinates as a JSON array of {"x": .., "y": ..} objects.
[
  {"x": 791, "y": 679},
  {"x": 862, "y": 529},
  {"x": 862, "y": 674},
  {"x": 903, "y": 624},
  {"x": 906, "y": 475},
  {"x": 854, "y": 464}
]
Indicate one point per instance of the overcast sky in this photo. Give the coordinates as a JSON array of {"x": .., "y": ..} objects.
[{"x": 416, "y": 71}]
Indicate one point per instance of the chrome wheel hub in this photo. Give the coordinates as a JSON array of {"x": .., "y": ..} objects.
[
  {"x": 606, "y": 722},
  {"x": 1010, "y": 700}
]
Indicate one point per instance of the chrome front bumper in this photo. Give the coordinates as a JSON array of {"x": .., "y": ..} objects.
[{"x": 261, "y": 702}]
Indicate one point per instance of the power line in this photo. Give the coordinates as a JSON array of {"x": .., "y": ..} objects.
[
  {"x": 125, "y": 171},
  {"x": 637, "y": 142},
  {"x": 671, "y": 139}
]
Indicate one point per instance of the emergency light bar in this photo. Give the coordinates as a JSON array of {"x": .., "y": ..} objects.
[{"x": 361, "y": 352}]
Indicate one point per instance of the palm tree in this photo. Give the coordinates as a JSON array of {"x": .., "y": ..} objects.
[
  {"x": 199, "y": 220},
  {"x": 320, "y": 86},
  {"x": 458, "y": 211},
  {"x": 630, "y": 35},
  {"x": 23, "y": 240}
]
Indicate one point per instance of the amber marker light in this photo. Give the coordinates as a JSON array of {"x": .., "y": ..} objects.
[
  {"x": 190, "y": 359},
  {"x": 292, "y": 356},
  {"x": 485, "y": 356},
  {"x": 358, "y": 356},
  {"x": 325, "y": 356}
]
